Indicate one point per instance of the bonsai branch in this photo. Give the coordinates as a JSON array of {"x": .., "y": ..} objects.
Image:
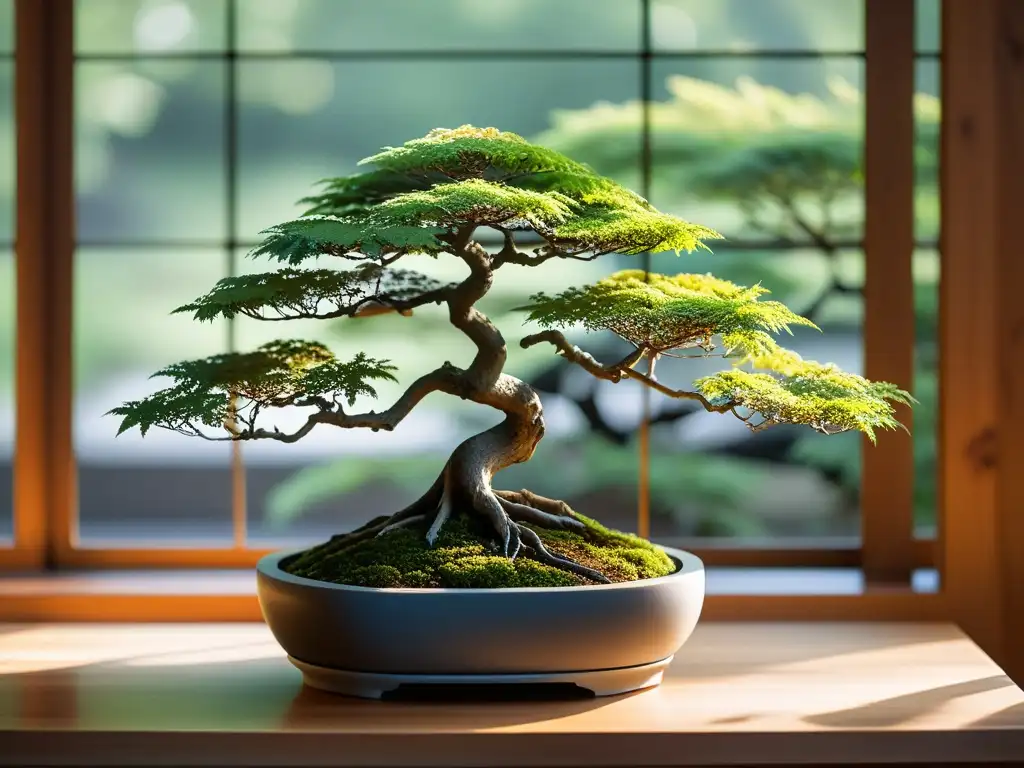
[
  {"x": 510, "y": 254},
  {"x": 625, "y": 369},
  {"x": 448, "y": 378},
  {"x": 574, "y": 354}
]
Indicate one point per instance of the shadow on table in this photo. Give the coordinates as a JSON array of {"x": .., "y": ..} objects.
[
  {"x": 440, "y": 708},
  {"x": 887, "y": 713},
  {"x": 1011, "y": 717}
]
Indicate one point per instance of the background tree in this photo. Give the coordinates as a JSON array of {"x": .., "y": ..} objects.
[
  {"x": 785, "y": 171},
  {"x": 430, "y": 197}
]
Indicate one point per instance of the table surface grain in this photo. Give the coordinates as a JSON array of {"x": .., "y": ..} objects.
[{"x": 205, "y": 694}]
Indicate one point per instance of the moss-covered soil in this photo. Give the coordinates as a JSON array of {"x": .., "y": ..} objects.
[{"x": 466, "y": 555}]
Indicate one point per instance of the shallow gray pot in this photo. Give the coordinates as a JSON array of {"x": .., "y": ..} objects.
[{"x": 608, "y": 638}]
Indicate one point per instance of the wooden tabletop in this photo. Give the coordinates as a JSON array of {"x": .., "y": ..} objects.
[{"x": 745, "y": 694}]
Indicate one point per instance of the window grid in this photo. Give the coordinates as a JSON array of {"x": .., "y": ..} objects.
[{"x": 777, "y": 553}]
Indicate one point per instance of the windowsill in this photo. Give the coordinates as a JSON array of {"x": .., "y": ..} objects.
[
  {"x": 748, "y": 694},
  {"x": 242, "y": 582}
]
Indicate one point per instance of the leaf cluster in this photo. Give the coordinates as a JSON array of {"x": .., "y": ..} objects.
[
  {"x": 367, "y": 236},
  {"x": 216, "y": 391},
  {"x": 662, "y": 313},
  {"x": 296, "y": 293},
  {"x": 806, "y": 392}
]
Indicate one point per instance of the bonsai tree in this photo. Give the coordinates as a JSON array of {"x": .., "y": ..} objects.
[{"x": 430, "y": 197}]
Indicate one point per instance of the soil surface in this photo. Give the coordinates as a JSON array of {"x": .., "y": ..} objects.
[{"x": 466, "y": 555}]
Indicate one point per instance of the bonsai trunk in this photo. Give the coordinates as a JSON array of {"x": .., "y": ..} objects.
[{"x": 464, "y": 484}]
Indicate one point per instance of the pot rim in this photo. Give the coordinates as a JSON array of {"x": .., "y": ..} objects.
[{"x": 270, "y": 566}]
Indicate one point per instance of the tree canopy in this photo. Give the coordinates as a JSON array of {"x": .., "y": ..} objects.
[{"x": 428, "y": 197}]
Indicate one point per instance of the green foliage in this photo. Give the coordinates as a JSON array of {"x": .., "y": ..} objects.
[
  {"x": 367, "y": 235},
  {"x": 786, "y": 161},
  {"x": 178, "y": 408},
  {"x": 354, "y": 194},
  {"x": 467, "y": 152},
  {"x": 278, "y": 374},
  {"x": 303, "y": 292},
  {"x": 475, "y": 201},
  {"x": 663, "y": 313},
  {"x": 844, "y": 457},
  {"x": 478, "y": 176},
  {"x": 465, "y": 556},
  {"x": 603, "y": 229},
  {"x": 806, "y": 392},
  {"x": 785, "y": 165}
]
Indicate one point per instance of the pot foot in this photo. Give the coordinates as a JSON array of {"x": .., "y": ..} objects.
[{"x": 373, "y": 685}]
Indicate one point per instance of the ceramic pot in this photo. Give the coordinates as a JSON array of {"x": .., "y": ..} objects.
[{"x": 363, "y": 641}]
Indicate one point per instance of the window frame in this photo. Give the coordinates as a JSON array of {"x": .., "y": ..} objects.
[{"x": 45, "y": 471}]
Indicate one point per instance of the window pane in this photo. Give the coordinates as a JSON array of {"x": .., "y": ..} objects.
[
  {"x": 7, "y": 311},
  {"x": 335, "y": 479},
  {"x": 7, "y": 165},
  {"x": 6, "y": 26},
  {"x": 149, "y": 26},
  {"x": 926, "y": 278},
  {"x": 165, "y": 488},
  {"x": 926, "y": 412},
  {"x": 752, "y": 25},
  {"x": 150, "y": 151},
  {"x": 928, "y": 24},
  {"x": 303, "y": 120},
  {"x": 926, "y": 155},
  {"x": 729, "y": 135},
  {"x": 439, "y": 25}
]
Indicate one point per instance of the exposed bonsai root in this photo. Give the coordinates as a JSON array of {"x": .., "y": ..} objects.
[
  {"x": 507, "y": 512},
  {"x": 540, "y": 553},
  {"x": 506, "y": 515},
  {"x": 554, "y": 507},
  {"x": 521, "y": 513},
  {"x": 487, "y": 504},
  {"x": 444, "y": 509}
]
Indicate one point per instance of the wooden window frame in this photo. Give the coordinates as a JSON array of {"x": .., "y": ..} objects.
[{"x": 45, "y": 471}]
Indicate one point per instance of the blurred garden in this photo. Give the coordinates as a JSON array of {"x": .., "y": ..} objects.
[{"x": 755, "y": 116}]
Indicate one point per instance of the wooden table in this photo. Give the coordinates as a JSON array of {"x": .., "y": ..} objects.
[{"x": 738, "y": 694}]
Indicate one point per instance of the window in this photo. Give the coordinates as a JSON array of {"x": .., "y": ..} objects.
[{"x": 196, "y": 125}]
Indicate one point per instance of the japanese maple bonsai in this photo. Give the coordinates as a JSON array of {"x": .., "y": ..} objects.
[{"x": 430, "y": 197}]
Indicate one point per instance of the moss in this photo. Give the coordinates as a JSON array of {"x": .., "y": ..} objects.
[{"x": 465, "y": 555}]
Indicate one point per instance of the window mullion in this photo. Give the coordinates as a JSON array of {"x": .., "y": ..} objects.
[
  {"x": 44, "y": 471},
  {"x": 887, "y": 484}
]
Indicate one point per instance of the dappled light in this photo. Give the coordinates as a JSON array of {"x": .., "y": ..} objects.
[{"x": 731, "y": 679}]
